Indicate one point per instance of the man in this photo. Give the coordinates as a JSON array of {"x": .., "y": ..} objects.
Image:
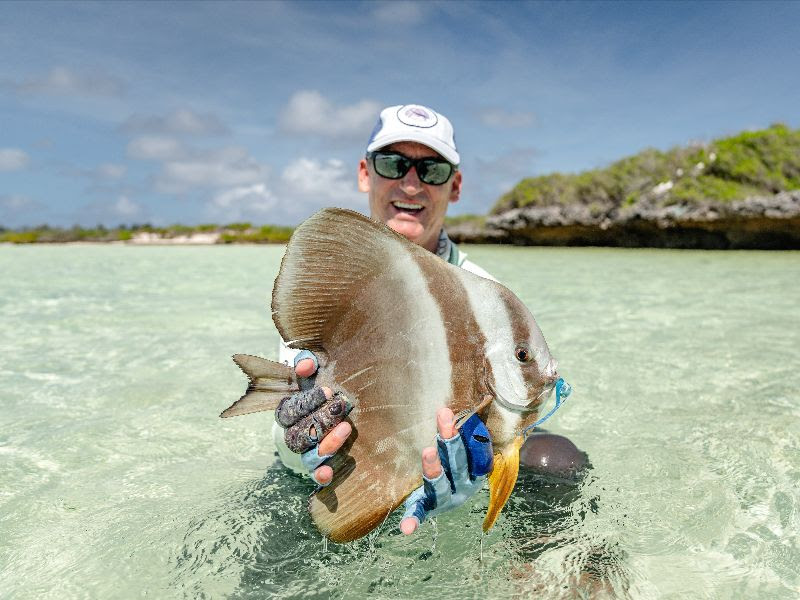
[{"x": 410, "y": 173}]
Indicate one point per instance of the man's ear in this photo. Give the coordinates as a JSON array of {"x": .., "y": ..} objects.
[
  {"x": 455, "y": 191},
  {"x": 363, "y": 176}
]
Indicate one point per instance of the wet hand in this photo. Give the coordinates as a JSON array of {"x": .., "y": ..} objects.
[
  {"x": 431, "y": 463},
  {"x": 467, "y": 457},
  {"x": 313, "y": 420}
]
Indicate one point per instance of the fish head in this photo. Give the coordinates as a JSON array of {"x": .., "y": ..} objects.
[{"x": 520, "y": 372}]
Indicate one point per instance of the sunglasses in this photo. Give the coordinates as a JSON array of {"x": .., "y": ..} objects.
[{"x": 391, "y": 165}]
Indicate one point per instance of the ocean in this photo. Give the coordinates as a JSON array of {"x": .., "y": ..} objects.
[{"x": 118, "y": 479}]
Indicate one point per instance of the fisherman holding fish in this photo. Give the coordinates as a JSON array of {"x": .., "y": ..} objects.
[{"x": 410, "y": 173}]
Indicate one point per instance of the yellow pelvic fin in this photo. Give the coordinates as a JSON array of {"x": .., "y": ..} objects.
[{"x": 502, "y": 480}]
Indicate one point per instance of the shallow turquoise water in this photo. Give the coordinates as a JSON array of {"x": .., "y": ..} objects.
[{"x": 117, "y": 479}]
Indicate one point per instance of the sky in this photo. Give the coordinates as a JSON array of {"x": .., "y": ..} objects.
[{"x": 218, "y": 112}]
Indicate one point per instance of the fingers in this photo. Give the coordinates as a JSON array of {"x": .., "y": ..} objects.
[
  {"x": 445, "y": 421},
  {"x": 312, "y": 429},
  {"x": 330, "y": 444},
  {"x": 335, "y": 439},
  {"x": 409, "y": 525},
  {"x": 323, "y": 475},
  {"x": 431, "y": 469},
  {"x": 433, "y": 493},
  {"x": 431, "y": 465},
  {"x": 293, "y": 408},
  {"x": 305, "y": 368}
]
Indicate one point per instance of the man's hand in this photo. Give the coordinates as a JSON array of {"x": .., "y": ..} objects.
[
  {"x": 314, "y": 420},
  {"x": 467, "y": 457}
]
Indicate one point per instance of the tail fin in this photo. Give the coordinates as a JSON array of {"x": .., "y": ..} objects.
[{"x": 269, "y": 383}]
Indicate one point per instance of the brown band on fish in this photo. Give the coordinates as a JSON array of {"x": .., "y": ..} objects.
[{"x": 465, "y": 339}]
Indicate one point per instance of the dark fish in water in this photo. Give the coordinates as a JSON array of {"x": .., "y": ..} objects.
[{"x": 400, "y": 333}]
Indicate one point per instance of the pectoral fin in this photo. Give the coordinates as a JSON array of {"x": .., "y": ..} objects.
[{"x": 502, "y": 480}]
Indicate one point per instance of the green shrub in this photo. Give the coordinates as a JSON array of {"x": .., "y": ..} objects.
[
  {"x": 758, "y": 162},
  {"x": 20, "y": 237}
]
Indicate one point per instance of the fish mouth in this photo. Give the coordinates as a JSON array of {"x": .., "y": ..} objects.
[{"x": 526, "y": 409}]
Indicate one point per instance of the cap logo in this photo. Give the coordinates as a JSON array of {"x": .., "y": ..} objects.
[{"x": 416, "y": 116}]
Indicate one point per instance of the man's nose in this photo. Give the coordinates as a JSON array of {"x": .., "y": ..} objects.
[{"x": 410, "y": 182}]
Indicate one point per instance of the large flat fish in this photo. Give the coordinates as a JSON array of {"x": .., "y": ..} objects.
[{"x": 400, "y": 333}]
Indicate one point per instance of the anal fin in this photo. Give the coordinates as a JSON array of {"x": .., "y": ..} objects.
[{"x": 502, "y": 480}]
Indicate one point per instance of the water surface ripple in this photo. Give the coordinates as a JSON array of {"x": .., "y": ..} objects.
[{"x": 117, "y": 479}]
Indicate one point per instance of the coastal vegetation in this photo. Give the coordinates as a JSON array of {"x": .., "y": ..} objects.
[
  {"x": 146, "y": 233},
  {"x": 751, "y": 163}
]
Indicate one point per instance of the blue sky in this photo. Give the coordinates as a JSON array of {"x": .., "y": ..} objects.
[{"x": 219, "y": 112}]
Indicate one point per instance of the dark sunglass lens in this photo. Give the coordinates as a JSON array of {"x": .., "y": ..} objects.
[
  {"x": 434, "y": 172},
  {"x": 391, "y": 166}
]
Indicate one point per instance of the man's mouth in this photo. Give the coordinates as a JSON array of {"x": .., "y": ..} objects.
[{"x": 408, "y": 207}]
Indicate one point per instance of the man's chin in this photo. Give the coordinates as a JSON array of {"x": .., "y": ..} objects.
[{"x": 409, "y": 229}]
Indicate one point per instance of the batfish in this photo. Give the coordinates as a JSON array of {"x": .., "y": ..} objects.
[{"x": 400, "y": 333}]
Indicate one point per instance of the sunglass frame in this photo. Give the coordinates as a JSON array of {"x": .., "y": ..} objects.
[{"x": 412, "y": 163}]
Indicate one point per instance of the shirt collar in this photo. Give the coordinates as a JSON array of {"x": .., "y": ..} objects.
[{"x": 444, "y": 246}]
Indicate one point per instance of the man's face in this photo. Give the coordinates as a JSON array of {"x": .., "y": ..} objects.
[{"x": 413, "y": 209}]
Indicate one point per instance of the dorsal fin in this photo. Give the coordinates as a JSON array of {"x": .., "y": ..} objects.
[{"x": 315, "y": 282}]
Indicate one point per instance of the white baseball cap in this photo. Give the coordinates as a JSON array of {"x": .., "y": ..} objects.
[{"x": 414, "y": 123}]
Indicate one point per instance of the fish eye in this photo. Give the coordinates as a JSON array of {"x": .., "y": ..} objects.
[{"x": 523, "y": 354}]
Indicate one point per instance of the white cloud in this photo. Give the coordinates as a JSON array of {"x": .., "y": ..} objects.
[
  {"x": 180, "y": 121},
  {"x": 398, "y": 13},
  {"x": 226, "y": 167},
  {"x": 62, "y": 81},
  {"x": 155, "y": 147},
  {"x": 244, "y": 203},
  {"x": 504, "y": 119},
  {"x": 13, "y": 159},
  {"x": 314, "y": 183},
  {"x": 305, "y": 185},
  {"x": 310, "y": 112},
  {"x": 125, "y": 207}
]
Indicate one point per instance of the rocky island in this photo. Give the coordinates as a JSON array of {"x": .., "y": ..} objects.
[{"x": 736, "y": 192}]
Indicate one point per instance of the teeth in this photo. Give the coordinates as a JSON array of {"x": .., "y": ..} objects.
[{"x": 407, "y": 206}]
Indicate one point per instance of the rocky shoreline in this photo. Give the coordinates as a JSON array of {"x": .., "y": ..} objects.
[{"x": 759, "y": 222}]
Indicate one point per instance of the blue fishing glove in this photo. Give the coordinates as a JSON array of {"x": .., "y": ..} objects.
[
  {"x": 307, "y": 416},
  {"x": 466, "y": 458}
]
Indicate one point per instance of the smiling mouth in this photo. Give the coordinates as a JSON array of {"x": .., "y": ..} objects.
[{"x": 408, "y": 207}]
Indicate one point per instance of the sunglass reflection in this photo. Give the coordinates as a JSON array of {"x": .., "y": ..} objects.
[{"x": 393, "y": 165}]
